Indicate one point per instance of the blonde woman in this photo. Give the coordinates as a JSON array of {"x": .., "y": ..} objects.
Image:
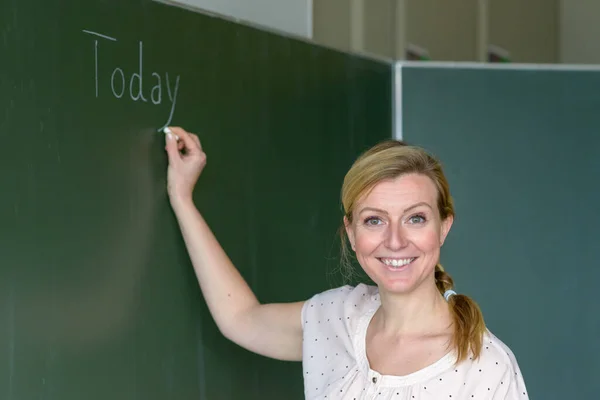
[{"x": 409, "y": 336}]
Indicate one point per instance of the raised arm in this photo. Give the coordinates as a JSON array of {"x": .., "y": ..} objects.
[{"x": 272, "y": 330}]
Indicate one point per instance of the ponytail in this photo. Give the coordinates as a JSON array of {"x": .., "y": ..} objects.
[{"x": 467, "y": 318}]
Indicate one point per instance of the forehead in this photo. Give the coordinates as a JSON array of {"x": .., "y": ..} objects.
[{"x": 401, "y": 192}]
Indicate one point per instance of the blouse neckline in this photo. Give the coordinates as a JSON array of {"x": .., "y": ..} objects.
[{"x": 416, "y": 377}]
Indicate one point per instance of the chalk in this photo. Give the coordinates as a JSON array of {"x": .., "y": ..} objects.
[{"x": 167, "y": 131}]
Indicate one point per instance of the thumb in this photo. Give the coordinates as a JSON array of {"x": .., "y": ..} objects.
[{"x": 172, "y": 148}]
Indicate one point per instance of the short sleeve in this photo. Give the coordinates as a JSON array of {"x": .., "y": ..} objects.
[
  {"x": 325, "y": 321},
  {"x": 329, "y": 323}
]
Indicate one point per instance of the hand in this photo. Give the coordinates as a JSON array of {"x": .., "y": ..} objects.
[{"x": 186, "y": 162}]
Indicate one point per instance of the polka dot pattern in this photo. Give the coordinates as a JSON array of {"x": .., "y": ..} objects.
[{"x": 335, "y": 364}]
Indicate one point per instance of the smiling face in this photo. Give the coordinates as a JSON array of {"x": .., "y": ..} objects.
[{"x": 396, "y": 232}]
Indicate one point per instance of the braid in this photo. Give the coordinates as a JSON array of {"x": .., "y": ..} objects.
[{"x": 469, "y": 325}]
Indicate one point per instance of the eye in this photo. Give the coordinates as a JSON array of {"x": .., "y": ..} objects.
[
  {"x": 372, "y": 221},
  {"x": 417, "y": 219}
]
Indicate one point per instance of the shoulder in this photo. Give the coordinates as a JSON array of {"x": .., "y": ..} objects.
[
  {"x": 338, "y": 313},
  {"x": 496, "y": 353},
  {"x": 341, "y": 301},
  {"x": 496, "y": 371},
  {"x": 359, "y": 292}
]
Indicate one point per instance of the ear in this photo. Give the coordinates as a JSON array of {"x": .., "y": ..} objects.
[
  {"x": 445, "y": 228},
  {"x": 349, "y": 231}
]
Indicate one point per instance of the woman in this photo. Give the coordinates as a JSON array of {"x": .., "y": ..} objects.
[{"x": 409, "y": 337}]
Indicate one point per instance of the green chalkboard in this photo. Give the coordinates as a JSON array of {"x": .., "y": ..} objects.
[
  {"x": 520, "y": 146},
  {"x": 98, "y": 299}
]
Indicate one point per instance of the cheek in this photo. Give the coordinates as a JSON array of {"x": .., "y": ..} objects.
[
  {"x": 429, "y": 241},
  {"x": 367, "y": 241}
]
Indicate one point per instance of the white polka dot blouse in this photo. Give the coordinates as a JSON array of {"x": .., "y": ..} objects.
[{"x": 335, "y": 365}]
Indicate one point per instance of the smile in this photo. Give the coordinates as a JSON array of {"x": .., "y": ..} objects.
[{"x": 397, "y": 262}]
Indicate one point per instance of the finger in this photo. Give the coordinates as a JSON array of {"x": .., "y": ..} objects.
[
  {"x": 172, "y": 150},
  {"x": 197, "y": 140},
  {"x": 184, "y": 137}
]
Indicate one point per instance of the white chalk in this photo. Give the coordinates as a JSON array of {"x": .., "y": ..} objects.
[{"x": 169, "y": 132}]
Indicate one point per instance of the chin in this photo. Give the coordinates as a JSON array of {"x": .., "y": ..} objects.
[
  {"x": 396, "y": 282},
  {"x": 396, "y": 287}
]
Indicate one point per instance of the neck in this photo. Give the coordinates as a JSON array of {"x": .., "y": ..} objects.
[{"x": 423, "y": 311}]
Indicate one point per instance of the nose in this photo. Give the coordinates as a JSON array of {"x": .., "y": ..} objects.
[{"x": 396, "y": 238}]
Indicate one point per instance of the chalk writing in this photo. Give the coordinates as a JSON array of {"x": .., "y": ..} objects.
[{"x": 122, "y": 83}]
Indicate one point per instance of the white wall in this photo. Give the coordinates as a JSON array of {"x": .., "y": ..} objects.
[
  {"x": 580, "y": 31},
  {"x": 289, "y": 16}
]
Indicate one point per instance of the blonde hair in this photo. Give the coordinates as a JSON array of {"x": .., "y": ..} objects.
[{"x": 388, "y": 160}]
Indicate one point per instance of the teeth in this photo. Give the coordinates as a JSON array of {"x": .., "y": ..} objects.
[{"x": 397, "y": 262}]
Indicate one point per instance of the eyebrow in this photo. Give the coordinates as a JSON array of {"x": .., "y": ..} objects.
[
  {"x": 423, "y": 203},
  {"x": 379, "y": 210}
]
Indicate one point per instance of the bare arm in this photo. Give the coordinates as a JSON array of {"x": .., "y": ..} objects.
[{"x": 272, "y": 330}]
